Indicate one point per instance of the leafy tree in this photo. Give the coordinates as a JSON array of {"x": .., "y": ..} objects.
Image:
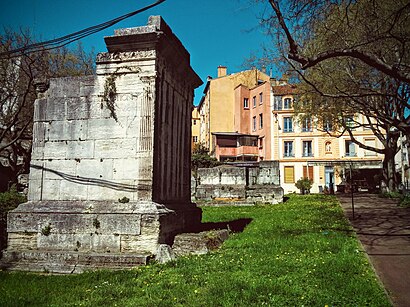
[
  {"x": 353, "y": 59},
  {"x": 201, "y": 158},
  {"x": 304, "y": 185},
  {"x": 18, "y": 76},
  {"x": 357, "y": 33}
]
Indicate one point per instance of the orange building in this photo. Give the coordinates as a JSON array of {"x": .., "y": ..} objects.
[{"x": 217, "y": 106}]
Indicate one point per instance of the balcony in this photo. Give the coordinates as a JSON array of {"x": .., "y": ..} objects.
[{"x": 238, "y": 151}]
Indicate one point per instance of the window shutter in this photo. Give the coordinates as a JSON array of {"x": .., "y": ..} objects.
[
  {"x": 308, "y": 172},
  {"x": 289, "y": 174}
]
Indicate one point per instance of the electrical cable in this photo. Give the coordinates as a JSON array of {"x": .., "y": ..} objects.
[{"x": 67, "y": 39}]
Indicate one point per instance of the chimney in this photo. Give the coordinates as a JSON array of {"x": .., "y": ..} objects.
[
  {"x": 222, "y": 71},
  {"x": 284, "y": 79}
]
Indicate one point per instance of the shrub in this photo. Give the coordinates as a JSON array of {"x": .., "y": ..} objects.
[
  {"x": 405, "y": 201},
  {"x": 304, "y": 185},
  {"x": 8, "y": 201}
]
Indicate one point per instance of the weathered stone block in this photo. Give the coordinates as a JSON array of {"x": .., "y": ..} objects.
[
  {"x": 97, "y": 128},
  {"x": 74, "y": 190},
  {"x": 51, "y": 189},
  {"x": 66, "y": 130},
  {"x": 115, "y": 148},
  {"x": 23, "y": 241},
  {"x": 97, "y": 169},
  {"x": 199, "y": 243},
  {"x": 65, "y": 87},
  {"x": 57, "y": 109},
  {"x": 126, "y": 168},
  {"x": 55, "y": 150},
  {"x": 35, "y": 188},
  {"x": 59, "y": 169},
  {"x": 80, "y": 149}
]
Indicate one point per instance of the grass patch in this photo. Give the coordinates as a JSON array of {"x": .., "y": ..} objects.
[{"x": 300, "y": 253}]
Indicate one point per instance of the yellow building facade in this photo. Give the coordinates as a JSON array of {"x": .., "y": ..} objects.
[
  {"x": 217, "y": 106},
  {"x": 195, "y": 127},
  {"x": 303, "y": 150}
]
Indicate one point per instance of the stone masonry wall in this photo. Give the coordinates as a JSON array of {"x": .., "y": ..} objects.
[{"x": 240, "y": 184}]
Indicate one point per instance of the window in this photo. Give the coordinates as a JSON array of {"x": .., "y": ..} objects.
[
  {"x": 287, "y": 124},
  {"x": 254, "y": 101},
  {"x": 370, "y": 143},
  {"x": 328, "y": 147},
  {"x": 248, "y": 141},
  {"x": 226, "y": 141},
  {"x": 307, "y": 125},
  {"x": 261, "y": 121},
  {"x": 289, "y": 174},
  {"x": 277, "y": 103},
  {"x": 254, "y": 123},
  {"x": 287, "y": 103},
  {"x": 307, "y": 149},
  {"x": 260, "y": 98},
  {"x": 350, "y": 149},
  {"x": 327, "y": 125},
  {"x": 288, "y": 149},
  {"x": 349, "y": 122},
  {"x": 195, "y": 139},
  {"x": 308, "y": 172},
  {"x": 246, "y": 103}
]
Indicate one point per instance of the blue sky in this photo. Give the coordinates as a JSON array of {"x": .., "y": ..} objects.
[{"x": 223, "y": 32}]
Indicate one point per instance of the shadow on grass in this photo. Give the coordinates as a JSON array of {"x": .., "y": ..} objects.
[{"x": 235, "y": 226}]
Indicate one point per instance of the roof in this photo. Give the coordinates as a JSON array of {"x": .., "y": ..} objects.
[
  {"x": 287, "y": 89},
  {"x": 233, "y": 134}
]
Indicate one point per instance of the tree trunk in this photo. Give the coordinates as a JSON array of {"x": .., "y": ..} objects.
[{"x": 390, "y": 177}]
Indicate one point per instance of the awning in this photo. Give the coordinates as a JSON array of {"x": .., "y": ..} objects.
[{"x": 357, "y": 164}]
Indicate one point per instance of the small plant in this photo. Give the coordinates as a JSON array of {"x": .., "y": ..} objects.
[
  {"x": 110, "y": 94},
  {"x": 96, "y": 222},
  {"x": 11, "y": 199},
  {"x": 405, "y": 201},
  {"x": 304, "y": 185},
  {"x": 46, "y": 230},
  {"x": 124, "y": 200}
]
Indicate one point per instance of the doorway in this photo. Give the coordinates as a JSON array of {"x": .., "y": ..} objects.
[{"x": 329, "y": 178}]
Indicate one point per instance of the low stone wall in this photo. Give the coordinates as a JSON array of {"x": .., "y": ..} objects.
[{"x": 240, "y": 184}]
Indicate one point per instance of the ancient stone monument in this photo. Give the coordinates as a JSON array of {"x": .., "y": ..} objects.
[{"x": 110, "y": 174}]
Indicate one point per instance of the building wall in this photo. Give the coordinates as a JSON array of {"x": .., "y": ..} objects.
[
  {"x": 196, "y": 123},
  {"x": 217, "y": 108},
  {"x": 324, "y": 148}
]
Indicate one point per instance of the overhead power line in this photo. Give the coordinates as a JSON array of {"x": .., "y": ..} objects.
[{"x": 67, "y": 39}]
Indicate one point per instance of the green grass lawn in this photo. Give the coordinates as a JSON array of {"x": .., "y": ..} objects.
[{"x": 300, "y": 253}]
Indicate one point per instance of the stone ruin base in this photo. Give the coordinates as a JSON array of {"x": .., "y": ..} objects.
[
  {"x": 73, "y": 236},
  {"x": 239, "y": 194},
  {"x": 239, "y": 185}
]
